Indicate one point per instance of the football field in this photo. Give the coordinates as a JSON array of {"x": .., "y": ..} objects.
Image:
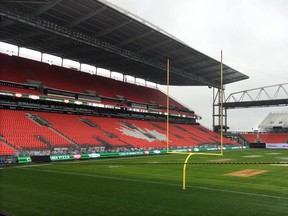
[{"x": 238, "y": 183}]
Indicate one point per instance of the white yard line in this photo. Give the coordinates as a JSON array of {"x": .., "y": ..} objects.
[
  {"x": 33, "y": 165},
  {"x": 24, "y": 166}
]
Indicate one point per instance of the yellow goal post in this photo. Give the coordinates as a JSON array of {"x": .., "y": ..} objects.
[{"x": 189, "y": 154}]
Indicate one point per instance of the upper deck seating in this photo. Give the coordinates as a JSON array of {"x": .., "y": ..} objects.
[{"x": 19, "y": 70}]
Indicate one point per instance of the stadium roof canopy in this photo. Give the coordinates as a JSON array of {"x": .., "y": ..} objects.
[{"x": 101, "y": 34}]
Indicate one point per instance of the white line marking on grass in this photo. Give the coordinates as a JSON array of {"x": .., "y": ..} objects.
[
  {"x": 221, "y": 160},
  {"x": 115, "y": 166},
  {"x": 159, "y": 183},
  {"x": 103, "y": 160},
  {"x": 282, "y": 158},
  {"x": 279, "y": 164},
  {"x": 24, "y": 166},
  {"x": 33, "y": 165}
]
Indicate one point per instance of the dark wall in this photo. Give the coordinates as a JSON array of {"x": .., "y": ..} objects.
[
  {"x": 257, "y": 145},
  {"x": 40, "y": 159}
]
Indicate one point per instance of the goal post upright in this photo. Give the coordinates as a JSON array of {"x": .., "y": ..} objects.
[
  {"x": 221, "y": 104},
  {"x": 167, "y": 105}
]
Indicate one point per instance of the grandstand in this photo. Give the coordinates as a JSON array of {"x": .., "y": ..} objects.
[
  {"x": 59, "y": 126},
  {"x": 44, "y": 130},
  {"x": 272, "y": 131},
  {"x": 275, "y": 122},
  {"x": 46, "y": 107}
]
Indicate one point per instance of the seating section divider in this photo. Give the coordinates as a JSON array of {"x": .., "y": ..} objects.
[{"x": 6, "y": 149}]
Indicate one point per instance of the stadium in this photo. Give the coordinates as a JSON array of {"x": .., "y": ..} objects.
[{"x": 98, "y": 137}]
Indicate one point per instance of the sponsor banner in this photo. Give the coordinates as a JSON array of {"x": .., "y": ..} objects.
[
  {"x": 52, "y": 99},
  {"x": 62, "y": 157},
  {"x": 104, "y": 155},
  {"x": 24, "y": 159},
  {"x": 276, "y": 145},
  {"x": 209, "y": 149},
  {"x": 6, "y": 94},
  {"x": 66, "y": 157},
  {"x": 34, "y": 97},
  {"x": 92, "y": 155}
]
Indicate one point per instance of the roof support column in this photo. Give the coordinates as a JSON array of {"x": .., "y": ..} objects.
[{"x": 216, "y": 113}]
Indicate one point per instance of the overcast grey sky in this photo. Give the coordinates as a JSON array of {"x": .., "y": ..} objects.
[{"x": 253, "y": 35}]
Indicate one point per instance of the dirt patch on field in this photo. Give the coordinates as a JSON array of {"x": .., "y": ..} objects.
[{"x": 246, "y": 173}]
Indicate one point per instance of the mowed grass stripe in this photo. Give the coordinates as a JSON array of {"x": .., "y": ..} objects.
[
  {"x": 154, "y": 182},
  {"x": 134, "y": 198}
]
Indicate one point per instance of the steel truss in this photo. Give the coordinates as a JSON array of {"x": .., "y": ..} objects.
[{"x": 274, "y": 95}]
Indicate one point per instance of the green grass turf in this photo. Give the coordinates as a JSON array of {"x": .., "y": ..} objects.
[{"x": 120, "y": 187}]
